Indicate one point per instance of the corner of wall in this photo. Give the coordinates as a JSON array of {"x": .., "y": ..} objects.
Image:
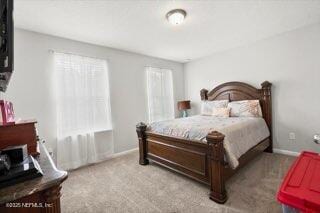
[{"x": 185, "y": 93}]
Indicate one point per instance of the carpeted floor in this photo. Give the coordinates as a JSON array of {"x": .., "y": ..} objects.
[{"x": 122, "y": 185}]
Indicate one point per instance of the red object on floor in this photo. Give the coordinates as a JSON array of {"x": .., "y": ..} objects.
[{"x": 301, "y": 186}]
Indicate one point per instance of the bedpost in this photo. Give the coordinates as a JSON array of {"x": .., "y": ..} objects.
[
  {"x": 216, "y": 167},
  {"x": 204, "y": 94},
  {"x": 267, "y": 110},
  {"x": 141, "y": 131}
]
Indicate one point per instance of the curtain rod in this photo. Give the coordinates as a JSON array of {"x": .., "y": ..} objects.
[
  {"x": 163, "y": 68},
  {"x": 72, "y": 53}
]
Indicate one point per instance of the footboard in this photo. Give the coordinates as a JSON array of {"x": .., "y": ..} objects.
[
  {"x": 203, "y": 162},
  {"x": 187, "y": 157}
]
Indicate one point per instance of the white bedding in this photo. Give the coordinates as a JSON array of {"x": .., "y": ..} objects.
[{"x": 241, "y": 133}]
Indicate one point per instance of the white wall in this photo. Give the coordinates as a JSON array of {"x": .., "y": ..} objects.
[
  {"x": 31, "y": 92},
  {"x": 291, "y": 61}
]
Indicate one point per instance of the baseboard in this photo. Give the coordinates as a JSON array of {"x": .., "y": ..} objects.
[
  {"x": 115, "y": 155},
  {"x": 286, "y": 152},
  {"x": 106, "y": 156}
]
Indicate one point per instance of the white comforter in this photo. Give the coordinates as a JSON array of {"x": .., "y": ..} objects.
[{"x": 241, "y": 133}]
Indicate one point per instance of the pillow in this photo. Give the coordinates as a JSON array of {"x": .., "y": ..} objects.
[
  {"x": 246, "y": 108},
  {"x": 207, "y": 106},
  {"x": 221, "y": 112}
]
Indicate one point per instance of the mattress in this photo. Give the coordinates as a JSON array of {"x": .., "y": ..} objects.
[{"x": 241, "y": 133}]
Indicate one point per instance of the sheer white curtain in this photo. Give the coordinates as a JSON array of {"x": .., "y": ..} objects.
[
  {"x": 83, "y": 108},
  {"x": 160, "y": 94}
]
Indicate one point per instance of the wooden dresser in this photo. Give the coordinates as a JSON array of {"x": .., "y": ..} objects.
[
  {"x": 38, "y": 195},
  {"x": 22, "y": 132}
]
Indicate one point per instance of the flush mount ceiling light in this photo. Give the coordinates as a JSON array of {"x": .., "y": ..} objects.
[{"x": 176, "y": 16}]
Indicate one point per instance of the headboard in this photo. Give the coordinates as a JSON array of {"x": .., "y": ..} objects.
[{"x": 237, "y": 91}]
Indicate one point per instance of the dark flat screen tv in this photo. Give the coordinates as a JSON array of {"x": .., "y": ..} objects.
[{"x": 6, "y": 43}]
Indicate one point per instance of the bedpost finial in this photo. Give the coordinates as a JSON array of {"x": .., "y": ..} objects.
[
  {"x": 266, "y": 84},
  {"x": 141, "y": 126},
  {"x": 215, "y": 137},
  {"x": 141, "y": 130},
  {"x": 204, "y": 94}
]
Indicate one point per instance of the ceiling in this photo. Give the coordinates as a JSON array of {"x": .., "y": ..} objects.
[{"x": 141, "y": 27}]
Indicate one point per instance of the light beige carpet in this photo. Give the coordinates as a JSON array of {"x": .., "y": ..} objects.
[{"x": 122, "y": 185}]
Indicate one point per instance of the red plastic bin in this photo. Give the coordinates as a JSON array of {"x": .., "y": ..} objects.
[{"x": 300, "y": 189}]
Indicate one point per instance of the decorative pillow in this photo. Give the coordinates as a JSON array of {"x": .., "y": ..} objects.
[
  {"x": 246, "y": 108},
  {"x": 221, "y": 112},
  {"x": 207, "y": 106}
]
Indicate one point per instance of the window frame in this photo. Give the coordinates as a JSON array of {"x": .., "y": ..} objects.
[
  {"x": 106, "y": 98},
  {"x": 152, "y": 118}
]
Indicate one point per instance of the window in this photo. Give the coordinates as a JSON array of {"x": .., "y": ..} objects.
[
  {"x": 160, "y": 94},
  {"x": 83, "y": 104}
]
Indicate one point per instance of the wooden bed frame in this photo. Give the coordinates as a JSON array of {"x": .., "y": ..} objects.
[{"x": 205, "y": 162}]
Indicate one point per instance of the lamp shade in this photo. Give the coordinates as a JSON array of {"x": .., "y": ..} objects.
[{"x": 184, "y": 105}]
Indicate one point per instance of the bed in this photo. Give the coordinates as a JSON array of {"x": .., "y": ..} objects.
[{"x": 204, "y": 153}]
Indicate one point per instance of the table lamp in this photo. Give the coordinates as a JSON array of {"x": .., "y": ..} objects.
[{"x": 184, "y": 106}]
